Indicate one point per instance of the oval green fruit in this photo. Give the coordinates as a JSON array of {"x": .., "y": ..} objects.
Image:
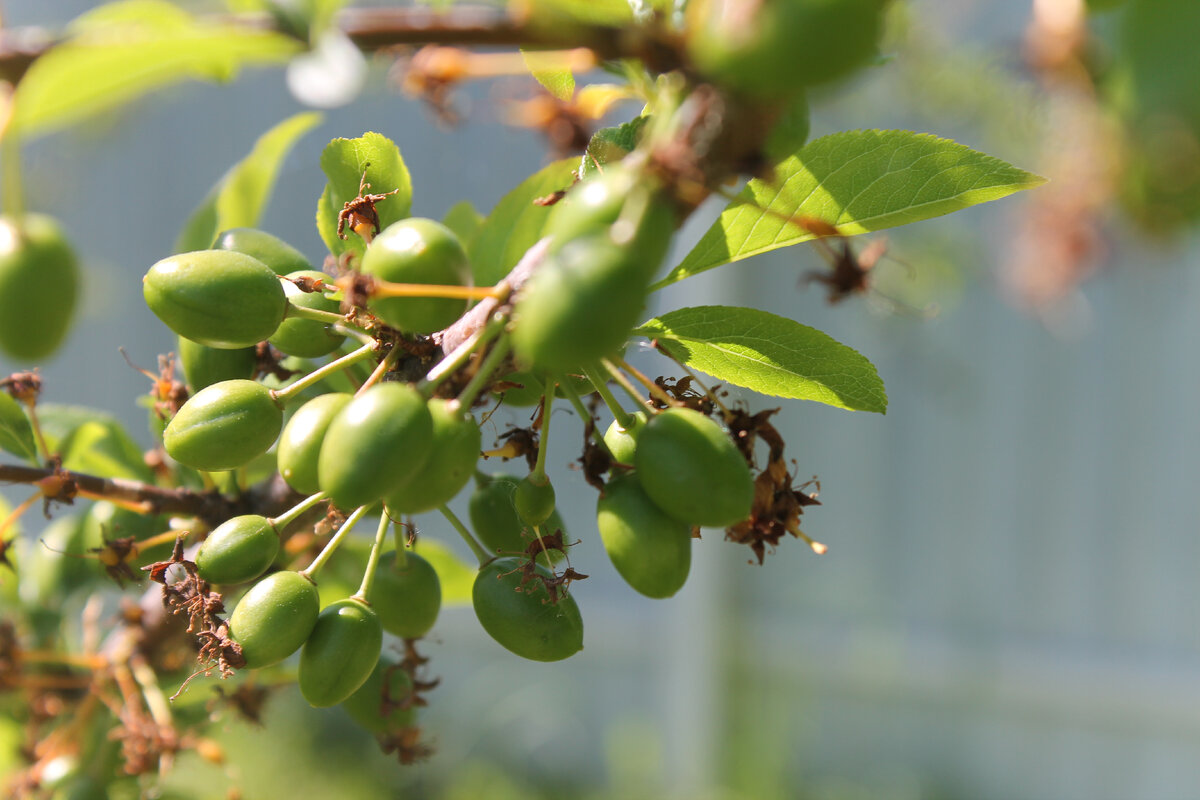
[
  {"x": 224, "y": 426},
  {"x": 495, "y": 521},
  {"x": 622, "y": 442},
  {"x": 650, "y": 549},
  {"x": 238, "y": 550},
  {"x": 377, "y": 705},
  {"x": 593, "y": 206},
  {"x": 39, "y": 284},
  {"x": 692, "y": 469},
  {"x": 455, "y": 451},
  {"x": 534, "y": 501},
  {"x": 408, "y": 599},
  {"x": 307, "y": 338},
  {"x": 221, "y": 298},
  {"x": 300, "y": 443},
  {"x": 340, "y": 653},
  {"x": 203, "y": 366},
  {"x": 379, "y": 439},
  {"x": 274, "y": 618},
  {"x": 521, "y": 618},
  {"x": 417, "y": 250},
  {"x": 277, "y": 254}
]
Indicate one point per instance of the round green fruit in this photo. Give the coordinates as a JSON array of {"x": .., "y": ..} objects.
[
  {"x": 377, "y": 703},
  {"x": 340, "y": 652},
  {"x": 521, "y": 618},
  {"x": 407, "y": 599},
  {"x": 534, "y": 500},
  {"x": 300, "y": 443},
  {"x": 39, "y": 283},
  {"x": 417, "y": 250},
  {"x": 692, "y": 469},
  {"x": 238, "y": 550},
  {"x": 225, "y": 426},
  {"x": 455, "y": 451},
  {"x": 307, "y": 338},
  {"x": 380, "y": 439},
  {"x": 595, "y": 205},
  {"x": 220, "y": 298},
  {"x": 650, "y": 549},
  {"x": 203, "y": 366},
  {"x": 622, "y": 442},
  {"x": 495, "y": 521},
  {"x": 274, "y": 618},
  {"x": 277, "y": 254}
]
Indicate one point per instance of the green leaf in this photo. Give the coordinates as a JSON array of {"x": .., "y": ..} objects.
[
  {"x": 611, "y": 144},
  {"x": 104, "y": 449},
  {"x": 16, "y": 434},
  {"x": 465, "y": 221},
  {"x": 558, "y": 82},
  {"x": 860, "y": 181},
  {"x": 124, "y": 50},
  {"x": 769, "y": 354},
  {"x": 343, "y": 162},
  {"x": 456, "y": 575},
  {"x": 516, "y": 223},
  {"x": 238, "y": 199}
]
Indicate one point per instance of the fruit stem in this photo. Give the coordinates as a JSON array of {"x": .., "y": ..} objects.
[
  {"x": 623, "y": 381},
  {"x": 459, "y": 355},
  {"x": 476, "y": 548},
  {"x": 364, "y": 589},
  {"x": 538, "y": 474},
  {"x": 311, "y": 571},
  {"x": 348, "y": 330},
  {"x": 573, "y": 396},
  {"x": 479, "y": 380},
  {"x": 288, "y": 393},
  {"x": 401, "y": 549},
  {"x": 380, "y": 370},
  {"x": 293, "y": 513},
  {"x": 650, "y": 385},
  {"x": 315, "y": 314},
  {"x": 452, "y": 291},
  {"x": 624, "y": 418}
]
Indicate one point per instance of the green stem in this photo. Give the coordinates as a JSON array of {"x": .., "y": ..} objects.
[
  {"x": 623, "y": 381},
  {"x": 401, "y": 549},
  {"x": 12, "y": 190},
  {"x": 293, "y": 513},
  {"x": 315, "y": 314},
  {"x": 332, "y": 545},
  {"x": 573, "y": 396},
  {"x": 347, "y": 330},
  {"x": 286, "y": 394},
  {"x": 475, "y": 546},
  {"x": 364, "y": 589},
  {"x": 480, "y": 379},
  {"x": 624, "y": 418},
  {"x": 538, "y": 475},
  {"x": 459, "y": 355},
  {"x": 381, "y": 369}
]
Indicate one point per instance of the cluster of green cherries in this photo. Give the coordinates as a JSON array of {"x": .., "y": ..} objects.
[{"x": 379, "y": 446}]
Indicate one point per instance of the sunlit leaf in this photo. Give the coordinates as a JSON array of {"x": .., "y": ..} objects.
[
  {"x": 343, "y": 162},
  {"x": 456, "y": 575},
  {"x": 104, "y": 449}
]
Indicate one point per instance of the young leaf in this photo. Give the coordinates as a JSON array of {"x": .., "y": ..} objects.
[
  {"x": 465, "y": 221},
  {"x": 343, "y": 162},
  {"x": 124, "y": 50},
  {"x": 557, "y": 81},
  {"x": 455, "y": 575},
  {"x": 104, "y": 449},
  {"x": 16, "y": 434},
  {"x": 611, "y": 144},
  {"x": 516, "y": 223},
  {"x": 239, "y": 197},
  {"x": 860, "y": 181},
  {"x": 769, "y": 354}
]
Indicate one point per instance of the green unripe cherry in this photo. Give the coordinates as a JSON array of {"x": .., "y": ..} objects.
[
  {"x": 594, "y": 205},
  {"x": 340, "y": 652},
  {"x": 495, "y": 521},
  {"x": 39, "y": 283},
  {"x": 224, "y": 426},
  {"x": 274, "y": 618},
  {"x": 238, "y": 550},
  {"x": 622, "y": 442},
  {"x": 521, "y": 618},
  {"x": 300, "y": 443},
  {"x": 375, "y": 705},
  {"x": 417, "y": 250},
  {"x": 380, "y": 439},
  {"x": 534, "y": 500},
  {"x": 407, "y": 599},
  {"x": 692, "y": 469},
  {"x": 650, "y": 549},
  {"x": 277, "y": 254},
  {"x": 220, "y": 298},
  {"x": 203, "y": 366},
  {"x": 454, "y": 453},
  {"x": 307, "y": 338}
]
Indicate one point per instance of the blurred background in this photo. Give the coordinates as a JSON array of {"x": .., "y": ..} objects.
[{"x": 1008, "y": 608}]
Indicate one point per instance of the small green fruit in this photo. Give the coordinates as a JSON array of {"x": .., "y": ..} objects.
[
  {"x": 408, "y": 599},
  {"x": 307, "y": 338},
  {"x": 534, "y": 501},
  {"x": 300, "y": 443},
  {"x": 417, "y": 250},
  {"x": 238, "y": 550},
  {"x": 220, "y": 298},
  {"x": 340, "y": 652},
  {"x": 650, "y": 549},
  {"x": 376, "y": 704},
  {"x": 622, "y": 442},
  {"x": 692, "y": 470},
  {"x": 39, "y": 282},
  {"x": 521, "y": 618},
  {"x": 495, "y": 521},
  {"x": 277, "y": 254},
  {"x": 274, "y": 618},
  {"x": 203, "y": 366},
  {"x": 224, "y": 426},
  {"x": 595, "y": 205},
  {"x": 455, "y": 451},
  {"x": 380, "y": 439}
]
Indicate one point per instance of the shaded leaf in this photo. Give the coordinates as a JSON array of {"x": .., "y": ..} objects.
[
  {"x": 104, "y": 449},
  {"x": 456, "y": 575},
  {"x": 16, "y": 434},
  {"x": 343, "y": 161},
  {"x": 557, "y": 81},
  {"x": 860, "y": 181},
  {"x": 769, "y": 354},
  {"x": 611, "y": 144},
  {"x": 465, "y": 221}
]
